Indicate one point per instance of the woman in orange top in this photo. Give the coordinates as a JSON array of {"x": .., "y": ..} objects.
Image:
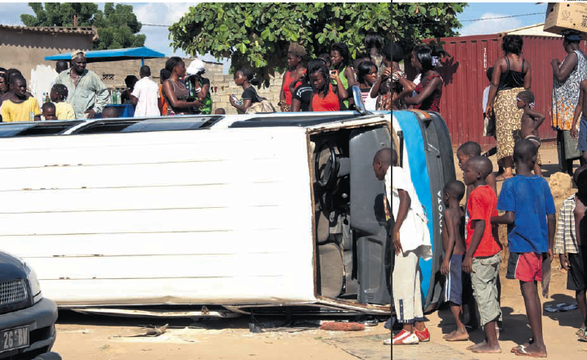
[
  {"x": 326, "y": 97},
  {"x": 295, "y": 56},
  {"x": 163, "y": 75}
]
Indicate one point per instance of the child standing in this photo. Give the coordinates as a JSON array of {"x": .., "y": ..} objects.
[
  {"x": 570, "y": 252},
  {"x": 482, "y": 257},
  {"x": 581, "y": 228},
  {"x": 411, "y": 241},
  {"x": 531, "y": 121},
  {"x": 582, "y": 136},
  {"x": 63, "y": 110},
  {"x": 464, "y": 153},
  {"x": 527, "y": 202},
  {"x": 21, "y": 106},
  {"x": 48, "y": 111},
  {"x": 453, "y": 243}
]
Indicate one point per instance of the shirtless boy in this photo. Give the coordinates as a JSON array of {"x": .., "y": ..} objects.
[
  {"x": 531, "y": 121},
  {"x": 453, "y": 243}
]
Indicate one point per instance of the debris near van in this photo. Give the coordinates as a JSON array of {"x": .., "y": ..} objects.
[
  {"x": 339, "y": 326},
  {"x": 152, "y": 331}
]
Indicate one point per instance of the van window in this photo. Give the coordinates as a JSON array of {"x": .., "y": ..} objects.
[
  {"x": 35, "y": 128},
  {"x": 137, "y": 125}
]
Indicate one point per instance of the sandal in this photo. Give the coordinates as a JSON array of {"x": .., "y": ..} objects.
[{"x": 583, "y": 336}]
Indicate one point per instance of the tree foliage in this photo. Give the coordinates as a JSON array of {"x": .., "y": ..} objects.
[
  {"x": 117, "y": 25},
  {"x": 414, "y": 22},
  {"x": 259, "y": 34}
]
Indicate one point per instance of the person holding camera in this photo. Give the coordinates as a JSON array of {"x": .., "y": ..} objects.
[
  {"x": 326, "y": 96},
  {"x": 429, "y": 90}
]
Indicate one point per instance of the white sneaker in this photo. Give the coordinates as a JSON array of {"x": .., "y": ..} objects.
[
  {"x": 405, "y": 338},
  {"x": 387, "y": 341}
]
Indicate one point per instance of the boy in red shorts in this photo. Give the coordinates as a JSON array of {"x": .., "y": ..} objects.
[{"x": 528, "y": 203}]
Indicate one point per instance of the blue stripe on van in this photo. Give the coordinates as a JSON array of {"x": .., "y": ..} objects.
[{"x": 414, "y": 147}]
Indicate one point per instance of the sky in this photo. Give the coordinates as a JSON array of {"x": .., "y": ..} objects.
[{"x": 495, "y": 10}]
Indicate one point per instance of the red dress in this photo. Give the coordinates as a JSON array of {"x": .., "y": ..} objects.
[
  {"x": 286, "y": 91},
  {"x": 329, "y": 103},
  {"x": 432, "y": 102}
]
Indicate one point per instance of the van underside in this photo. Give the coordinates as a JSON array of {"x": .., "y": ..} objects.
[{"x": 353, "y": 243}]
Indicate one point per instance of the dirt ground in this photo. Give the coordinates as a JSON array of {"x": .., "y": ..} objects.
[
  {"x": 558, "y": 327},
  {"x": 90, "y": 337}
]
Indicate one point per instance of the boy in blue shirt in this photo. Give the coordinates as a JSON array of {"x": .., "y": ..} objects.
[{"x": 528, "y": 203}]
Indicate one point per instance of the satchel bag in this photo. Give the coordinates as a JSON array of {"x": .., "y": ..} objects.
[
  {"x": 489, "y": 125},
  {"x": 261, "y": 106}
]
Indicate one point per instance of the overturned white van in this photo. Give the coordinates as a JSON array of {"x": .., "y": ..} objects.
[{"x": 211, "y": 214}]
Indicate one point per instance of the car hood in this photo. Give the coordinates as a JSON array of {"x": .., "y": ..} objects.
[{"x": 11, "y": 267}]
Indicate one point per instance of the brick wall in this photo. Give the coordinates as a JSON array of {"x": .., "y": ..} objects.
[{"x": 113, "y": 74}]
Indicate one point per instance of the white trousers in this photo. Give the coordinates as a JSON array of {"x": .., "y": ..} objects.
[{"x": 406, "y": 287}]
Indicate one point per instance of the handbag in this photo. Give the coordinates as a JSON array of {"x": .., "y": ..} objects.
[
  {"x": 261, "y": 106},
  {"x": 489, "y": 125}
]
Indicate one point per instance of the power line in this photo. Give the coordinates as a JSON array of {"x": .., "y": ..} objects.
[
  {"x": 502, "y": 17},
  {"x": 480, "y": 19},
  {"x": 158, "y": 25}
]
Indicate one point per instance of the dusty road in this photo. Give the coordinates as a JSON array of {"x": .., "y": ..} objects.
[{"x": 104, "y": 338}]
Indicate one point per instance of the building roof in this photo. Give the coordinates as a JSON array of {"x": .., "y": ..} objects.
[
  {"x": 113, "y": 55},
  {"x": 55, "y": 29},
  {"x": 531, "y": 30}
]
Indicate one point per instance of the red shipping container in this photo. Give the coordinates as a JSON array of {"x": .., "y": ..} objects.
[{"x": 465, "y": 79}]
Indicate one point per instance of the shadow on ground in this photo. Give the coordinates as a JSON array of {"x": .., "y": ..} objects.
[{"x": 570, "y": 318}]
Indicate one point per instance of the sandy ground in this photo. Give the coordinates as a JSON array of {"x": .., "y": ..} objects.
[
  {"x": 558, "y": 328},
  {"x": 104, "y": 338}
]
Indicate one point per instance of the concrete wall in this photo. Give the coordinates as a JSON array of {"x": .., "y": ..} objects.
[
  {"x": 113, "y": 74},
  {"x": 25, "y": 49}
]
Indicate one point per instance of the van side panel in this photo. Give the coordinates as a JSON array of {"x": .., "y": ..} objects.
[{"x": 190, "y": 217}]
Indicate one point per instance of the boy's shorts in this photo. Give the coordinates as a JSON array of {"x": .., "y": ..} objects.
[
  {"x": 576, "y": 275},
  {"x": 582, "y": 141},
  {"x": 484, "y": 277},
  {"x": 453, "y": 287},
  {"x": 525, "y": 267}
]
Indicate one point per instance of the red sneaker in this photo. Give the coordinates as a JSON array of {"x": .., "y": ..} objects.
[
  {"x": 405, "y": 338},
  {"x": 423, "y": 336}
]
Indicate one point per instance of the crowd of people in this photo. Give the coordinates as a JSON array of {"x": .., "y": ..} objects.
[
  {"x": 320, "y": 84},
  {"x": 471, "y": 244}
]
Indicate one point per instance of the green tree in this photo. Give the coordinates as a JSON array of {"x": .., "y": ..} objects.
[
  {"x": 414, "y": 22},
  {"x": 117, "y": 25},
  {"x": 259, "y": 34}
]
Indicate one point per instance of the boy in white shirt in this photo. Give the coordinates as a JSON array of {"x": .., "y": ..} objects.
[
  {"x": 145, "y": 95},
  {"x": 411, "y": 241}
]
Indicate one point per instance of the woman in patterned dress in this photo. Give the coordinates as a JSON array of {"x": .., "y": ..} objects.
[
  {"x": 565, "y": 95},
  {"x": 511, "y": 75}
]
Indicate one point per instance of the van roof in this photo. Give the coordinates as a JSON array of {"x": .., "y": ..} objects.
[{"x": 186, "y": 122}]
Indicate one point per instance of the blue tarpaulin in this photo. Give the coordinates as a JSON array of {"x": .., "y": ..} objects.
[{"x": 113, "y": 55}]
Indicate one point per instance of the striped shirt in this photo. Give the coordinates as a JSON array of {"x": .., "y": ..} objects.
[{"x": 565, "y": 239}]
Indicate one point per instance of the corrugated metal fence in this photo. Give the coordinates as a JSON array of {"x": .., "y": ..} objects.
[{"x": 464, "y": 81}]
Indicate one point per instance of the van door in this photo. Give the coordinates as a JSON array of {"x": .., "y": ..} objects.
[{"x": 367, "y": 221}]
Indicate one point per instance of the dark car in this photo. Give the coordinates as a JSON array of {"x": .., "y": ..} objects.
[{"x": 27, "y": 320}]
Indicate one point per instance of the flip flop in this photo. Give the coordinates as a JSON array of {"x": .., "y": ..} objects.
[{"x": 522, "y": 352}]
